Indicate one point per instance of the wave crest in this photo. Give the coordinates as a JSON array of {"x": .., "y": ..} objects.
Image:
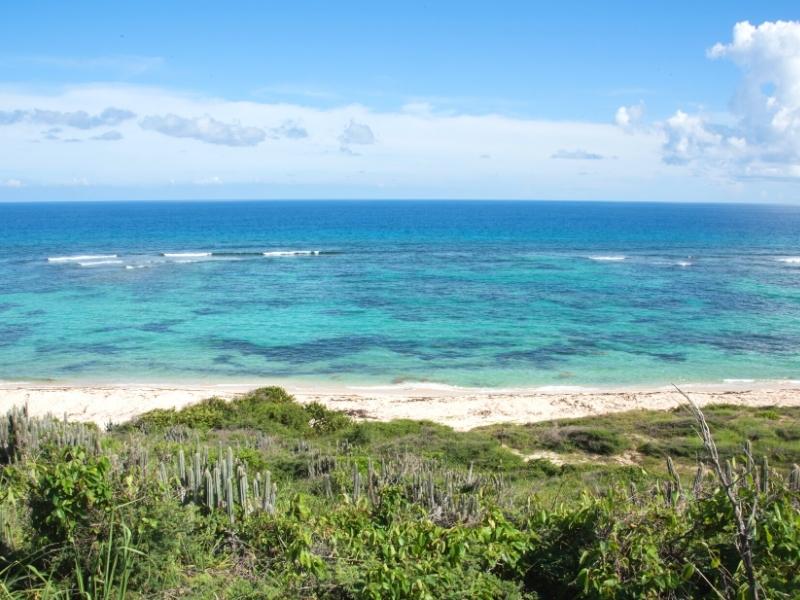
[
  {"x": 80, "y": 257},
  {"x": 608, "y": 257}
]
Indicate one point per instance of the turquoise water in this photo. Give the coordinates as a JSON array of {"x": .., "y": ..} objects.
[{"x": 461, "y": 293}]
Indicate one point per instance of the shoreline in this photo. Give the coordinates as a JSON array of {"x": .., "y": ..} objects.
[{"x": 459, "y": 407}]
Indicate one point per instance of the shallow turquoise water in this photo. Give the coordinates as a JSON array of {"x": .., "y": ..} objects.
[{"x": 463, "y": 293}]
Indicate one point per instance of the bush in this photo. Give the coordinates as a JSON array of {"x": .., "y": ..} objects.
[
  {"x": 269, "y": 409},
  {"x": 71, "y": 492},
  {"x": 584, "y": 439}
]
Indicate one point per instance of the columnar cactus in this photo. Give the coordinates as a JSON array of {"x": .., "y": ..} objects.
[
  {"x": 764, "y": 475},
  {"x": 229, "y": 498},
  {"x": 182, "y": 466},
  {"x": 209, "y": 481}
]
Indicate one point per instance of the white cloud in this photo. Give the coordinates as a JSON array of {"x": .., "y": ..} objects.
[
  {"x": 347, "y": 151},
  {"x": 629, "y": 116},
  {"x": 762, "y": 137},
  {"x": 108, "y": 136},
  {"x": 420, "y": 154},
  {"x": 11, "y": 183},
  {"x": 357, "y": 133},
  {"x": 205, "y": 129},
  {"x": 688, "y": 136},
  {"x": 290, "y": 130},
  {"x": 10, "y": 117},
  {"x": 52, "y": 133},
  {"x": 577, "y": 154},
  {"x": 79, "y": 119}
]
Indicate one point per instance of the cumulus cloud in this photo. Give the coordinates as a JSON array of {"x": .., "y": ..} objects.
[
  {"x": 629, "y": 116},
  {"x": 11, "y": 183},
  {"x": 357, "y": 133},
  {"x": 577, "y": 154},
  {"x": 763, "y": 137},
  {"x": 78, "y": 119},
  {"x": 108, "y": 136},
  {"x": 289, "y": 130},
  {"x": 205, "y": 129}
]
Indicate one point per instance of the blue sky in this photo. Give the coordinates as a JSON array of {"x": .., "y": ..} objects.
[{"x": 267, "y": 100}]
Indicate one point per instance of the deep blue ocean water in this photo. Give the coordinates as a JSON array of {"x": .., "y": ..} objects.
[{"x": 461, "y": 293}]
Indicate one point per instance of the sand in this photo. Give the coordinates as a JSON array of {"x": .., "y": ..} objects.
[{"x": 460, "y": 408}]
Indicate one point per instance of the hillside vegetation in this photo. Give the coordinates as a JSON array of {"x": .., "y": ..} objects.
[{"x": 262, "y": 497}]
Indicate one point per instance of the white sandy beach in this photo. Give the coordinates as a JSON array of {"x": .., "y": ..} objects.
[{"x": 460, "y": 408}]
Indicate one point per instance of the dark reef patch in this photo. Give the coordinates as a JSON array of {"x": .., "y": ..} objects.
[
  {"x": 332, "y": 348},
  {"x": 160, "y": 326}
]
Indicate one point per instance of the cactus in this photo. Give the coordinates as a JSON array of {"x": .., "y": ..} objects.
[
  {"x": 730, "y": 468},
  {"x": 794, "y": 478},
  {"x": 748, "y": 453},
  {"x": 697, "y": 485},
  {"x": 181, "y": 466},
  {"x": 676, "y": 480},
  {"x": 273, "y": 497},
  {"x": 229, "y": 498},
  {"x": 209, "y": 481},
  {"x": 764, "y": 475},
  {"x": 228, "y": 473},
  {"x": 267, "y": 480},
  {"x": 371, "y": 483},
  {"x": 217, "y": 475},
  {"x": 356, "y": 483},
  {"x": 243, "y": 489},
  {"x": 198, "y": 477}
]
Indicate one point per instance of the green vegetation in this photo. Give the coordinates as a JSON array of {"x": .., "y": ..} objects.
[
  {"x": 654, "y": 435},
  {"x": 262, "y": 497}
]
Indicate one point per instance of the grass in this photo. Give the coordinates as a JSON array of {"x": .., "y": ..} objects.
[{"x": 653, "y": 435}]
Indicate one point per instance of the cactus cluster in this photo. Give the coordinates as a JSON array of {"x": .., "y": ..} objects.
[
  {"x": 22, "y": 435},
  {"x": 219, "y": 484},
  {"x": 752, "y": 473},
  {"x": 447, "y": 495}
]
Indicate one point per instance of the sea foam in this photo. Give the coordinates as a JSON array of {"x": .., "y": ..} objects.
[
  {"x": 80, "y": 258},
  {"x": 100, "y": 263},
  {"x": 790, "y": 260},
  {"x": 185, "y": 254},
  {"x": 608, "y": 257}
]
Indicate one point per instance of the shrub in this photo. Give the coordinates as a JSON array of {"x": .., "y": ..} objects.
[
  {"x": 71, "y": 492},
  {"x": 268, "y": 409}
]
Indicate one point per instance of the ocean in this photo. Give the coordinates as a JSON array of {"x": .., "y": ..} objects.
[{"x": 485, "y": 294}]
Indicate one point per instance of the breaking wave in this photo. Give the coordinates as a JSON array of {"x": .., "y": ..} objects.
[
  {"x": 608, "y": 257},
  {"x": 80, "y": 258}
]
